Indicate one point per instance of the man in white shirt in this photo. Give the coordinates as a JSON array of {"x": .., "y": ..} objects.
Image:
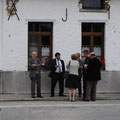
[{"x": 57, "y": 70}]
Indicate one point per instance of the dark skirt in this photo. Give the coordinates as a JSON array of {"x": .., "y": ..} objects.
[{"x": 72, "y": 81}]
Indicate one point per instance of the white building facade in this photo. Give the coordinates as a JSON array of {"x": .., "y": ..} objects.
[{"x": 66, "y": 37}]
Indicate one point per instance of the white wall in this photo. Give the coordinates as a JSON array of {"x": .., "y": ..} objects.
[
  {"x": 113, "y": 38},
  {"x": 66, "y": 36},
  {"x": 0, "y": 34}
]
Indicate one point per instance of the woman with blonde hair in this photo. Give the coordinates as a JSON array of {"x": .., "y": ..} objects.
[{"x": 72, "y": 82}]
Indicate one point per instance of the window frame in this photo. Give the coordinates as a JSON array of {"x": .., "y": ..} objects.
[
  {"x": 103, "y": 6},
  {"x": 92, "y": 34},
  {"x": 40, "y": 40}
]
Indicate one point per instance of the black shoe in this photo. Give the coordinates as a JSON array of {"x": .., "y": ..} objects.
[
  {"x": 80, "y": 96},
  {"x": 83, "y": 99},
  {"x": 86, "y": 100},
  {"x": 33, "y": 96},
  {"x": 62, "y": 95},
  {"x": 39, "y": 96}
]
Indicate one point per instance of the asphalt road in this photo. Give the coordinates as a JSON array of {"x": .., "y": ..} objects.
[{"x": 60, "y": 110}]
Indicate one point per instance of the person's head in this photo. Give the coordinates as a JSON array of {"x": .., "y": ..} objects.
[
  {"x": 86, "y": 53},
  {"x": 57, "y": 55},
  {"x": 73, "y": 57},
  {"x": 92, "y": 55},
  {"x": 77, "y": 55},
  {"x": 34, "y": 54}
]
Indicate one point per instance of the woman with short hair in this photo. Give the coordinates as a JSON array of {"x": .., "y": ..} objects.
[{"x": 73, "y": 80}]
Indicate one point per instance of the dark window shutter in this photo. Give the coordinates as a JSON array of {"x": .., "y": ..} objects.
[{"x": 98, "y": 4}]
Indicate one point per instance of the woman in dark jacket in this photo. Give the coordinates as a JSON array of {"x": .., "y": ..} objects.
[{"x": 93, "y": 76}]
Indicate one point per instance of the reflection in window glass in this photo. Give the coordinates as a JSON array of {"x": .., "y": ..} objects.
[
  {"x": 85, "y": 43},
  {"x": 97, "y": 27},
  {"x": 97, "y": 51},
  {"x": 33, "y": 27},
  {"x": 45, "y": 51},
  {"x": 33, "y": 44},
  {"x": 86, "y": 27},
  {"x": 97, "y": 40},
  {"x": 45, "y": 40},
  {"x": 97, "y": 45},
  {"x": 36, "y": 27},
  {"x": 30, "y": 28},
  {"x": 46, "y": 27},
  {"x": 86, "y": 40}
]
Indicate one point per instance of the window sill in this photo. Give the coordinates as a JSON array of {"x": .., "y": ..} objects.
[{"x": 93, "y": 10}]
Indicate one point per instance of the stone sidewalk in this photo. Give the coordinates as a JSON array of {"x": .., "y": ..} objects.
[{"x": 46, "y": 97}]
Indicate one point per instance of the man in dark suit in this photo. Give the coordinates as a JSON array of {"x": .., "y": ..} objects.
[
  {"x": 86, "y": 62},
  {"x": 35, "y": 74},
  {"x": 57, "y": 73},
  {"x": 93, "y": 76},
  {"x": 80, "y": 73}
]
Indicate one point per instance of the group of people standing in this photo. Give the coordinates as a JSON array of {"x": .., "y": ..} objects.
[{"x": 89, "y": 69}]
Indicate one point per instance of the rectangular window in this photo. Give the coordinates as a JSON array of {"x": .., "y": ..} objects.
[
  {"x": 93, "y": 4},
  {"x": 93, "y": 39},
  {"x": 40, "y": 40}
]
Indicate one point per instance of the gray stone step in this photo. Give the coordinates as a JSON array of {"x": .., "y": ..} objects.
[{"x": 46, "y": 97}]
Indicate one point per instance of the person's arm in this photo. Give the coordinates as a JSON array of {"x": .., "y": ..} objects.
[
  {"x": 87, "y": 60},
  {"x": 39, "y": 64},
  {"x": 81, "y": 64},
  {"x": 80, "y": 67},
  {"x": 89, "y": 65},
  {"x": 100, "y": 63},
  {"x": 52, "y": 65},
  {"x": 30, "y": 65},
  {"x": 68, "y": 65},
  {"x": 63, "y": 66}
]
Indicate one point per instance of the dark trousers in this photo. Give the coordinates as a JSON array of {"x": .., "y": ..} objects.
[
  {"x": 36, "y": 81},
  {"x": 57, "y": 77},
  {"x": 80, "y": 88},
  {"x": 84, "y": 86},
  {"x": 91, "y": 90}
]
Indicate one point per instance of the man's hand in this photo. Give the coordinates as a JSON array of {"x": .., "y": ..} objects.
[
  {"x": 81, "y": 67},
  {"x": 43, "y": 64},
  {"x": 34, "y": 65},
  {"x": 85, "y": 66},
  {"x": 57, "y": 66}
]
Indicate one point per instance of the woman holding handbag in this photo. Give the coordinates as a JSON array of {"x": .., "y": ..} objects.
[{"x": 72, "y": 82}]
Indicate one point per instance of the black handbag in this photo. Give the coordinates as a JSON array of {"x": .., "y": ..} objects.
[
  {"x": 50, "y": 74},
  {"x": 66, "y": 74}
]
